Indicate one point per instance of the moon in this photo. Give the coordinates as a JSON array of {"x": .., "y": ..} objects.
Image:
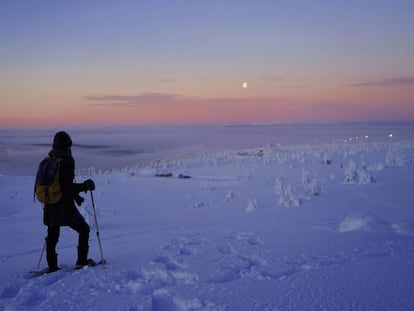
[{"x": 245, "y": 85}]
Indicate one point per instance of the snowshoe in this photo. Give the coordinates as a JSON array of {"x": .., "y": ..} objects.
[{"x": 89, "y": 263}]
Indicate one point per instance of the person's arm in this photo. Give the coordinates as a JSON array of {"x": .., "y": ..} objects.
[{"x": 67, "y": 175}]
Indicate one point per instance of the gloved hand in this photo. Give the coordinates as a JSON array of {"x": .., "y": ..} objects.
[
  {"x": 89, "y": 185},
  {"x": 79, "y": 200}
]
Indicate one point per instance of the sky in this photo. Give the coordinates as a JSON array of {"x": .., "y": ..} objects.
[{"x": 142, "y": 62}]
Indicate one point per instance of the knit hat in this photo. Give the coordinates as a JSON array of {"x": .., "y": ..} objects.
[{"x": 62, "y": 141}]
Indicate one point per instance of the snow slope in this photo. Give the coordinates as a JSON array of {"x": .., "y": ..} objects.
[{"x": 300, "y": 227}]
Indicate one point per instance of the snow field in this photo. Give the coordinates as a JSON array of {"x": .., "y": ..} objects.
[{"x": 305, "y": 227}]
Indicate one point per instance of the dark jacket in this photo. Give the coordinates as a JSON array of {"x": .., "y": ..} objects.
[{"x": 64, "y": 213}]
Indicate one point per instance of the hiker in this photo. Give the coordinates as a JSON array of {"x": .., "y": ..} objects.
[{"x": 64, "y": 212}]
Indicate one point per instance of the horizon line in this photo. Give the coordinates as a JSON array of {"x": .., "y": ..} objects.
[{"x": 226, "y": 124}]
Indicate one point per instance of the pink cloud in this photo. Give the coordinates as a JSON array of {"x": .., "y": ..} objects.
[
  {"x": 361, "y": 112},
  {"x": 181, "y": 109},
  {"x": 134, "y": 100},
  {"x": 400, "y": 81}
]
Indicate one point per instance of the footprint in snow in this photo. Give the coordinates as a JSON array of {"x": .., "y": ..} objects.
[
  {"x": 163, "y": 300},
  {"x": 249, "y": 238},
  {"x": 170, "y": 263},
  {"x": 33, "y": 297},
  {"x": 241, "y": 266},
  {"x": 185, "y": 245},
  {"x": 9, "y": 291},
  {"x": 227, "y": 249}
]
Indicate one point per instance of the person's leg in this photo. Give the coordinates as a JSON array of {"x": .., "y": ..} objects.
[
  {"x": 51, "y": 241},
  {"x": 82, "y": 228}
]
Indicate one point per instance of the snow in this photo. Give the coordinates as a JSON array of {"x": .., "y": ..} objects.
[{"x": 326, "y": 225}]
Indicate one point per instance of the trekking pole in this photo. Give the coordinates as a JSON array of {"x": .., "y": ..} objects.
[
  {"x": 97, "y": 229},
  {"x": 41, "y": 254}
]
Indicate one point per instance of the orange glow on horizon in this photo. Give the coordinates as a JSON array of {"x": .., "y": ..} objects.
[{"x": 212, "y": 111}]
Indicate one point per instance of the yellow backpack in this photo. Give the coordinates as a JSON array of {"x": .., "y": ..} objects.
[{"x": 47, "y": 184}]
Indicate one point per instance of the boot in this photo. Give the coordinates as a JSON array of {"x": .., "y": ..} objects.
[
  {"x": 89, "y": 263},
  {"x": 83, "y": 258},
  {"x": 52, "y": 262}
]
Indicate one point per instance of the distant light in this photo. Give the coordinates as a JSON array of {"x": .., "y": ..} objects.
[
  {"x": 366, "y": 136},
  {"x": 390, "y": 135},
  {"x": 245, "y": 85}
]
